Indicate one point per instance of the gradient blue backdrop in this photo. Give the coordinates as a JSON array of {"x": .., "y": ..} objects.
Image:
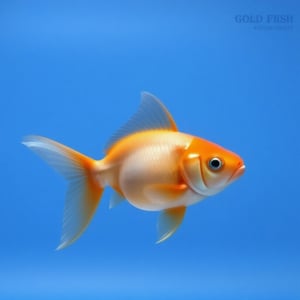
[{"x": 73, "y": 71}]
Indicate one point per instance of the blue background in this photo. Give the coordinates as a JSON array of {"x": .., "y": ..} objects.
[{"x": 73, "y": 71}]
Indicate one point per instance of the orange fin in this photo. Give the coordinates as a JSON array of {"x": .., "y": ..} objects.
[
  {"x": 170, "y": 192},
  {"x": 84, "y": 192},
  {"x": 169, "y": 221},
  {"x": 151, "y": 114}
]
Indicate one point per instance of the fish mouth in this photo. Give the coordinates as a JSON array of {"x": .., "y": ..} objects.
[{"x": 237, "y": 173}]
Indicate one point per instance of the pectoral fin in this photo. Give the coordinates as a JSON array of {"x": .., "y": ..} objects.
[
  {"x": 169, "y": 221},
  {"x": 167, "y": 192}
]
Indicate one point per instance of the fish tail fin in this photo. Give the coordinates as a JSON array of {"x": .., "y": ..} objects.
[{"x": 84, "y": 192}]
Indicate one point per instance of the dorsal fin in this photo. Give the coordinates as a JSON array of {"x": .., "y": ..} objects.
[{"x": 151, "y": 114}]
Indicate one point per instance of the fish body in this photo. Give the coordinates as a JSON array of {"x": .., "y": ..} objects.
[
  {"x": 140, "y": 165},
  {"x": 149, "y": 163}
]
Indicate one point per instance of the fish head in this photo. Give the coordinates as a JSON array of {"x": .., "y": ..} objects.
[{"x": 208, "y": 168}]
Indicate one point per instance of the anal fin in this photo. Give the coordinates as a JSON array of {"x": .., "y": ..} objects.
[
  {"x": 169, "y": 221},
  {"x": 116, "y": 199}
]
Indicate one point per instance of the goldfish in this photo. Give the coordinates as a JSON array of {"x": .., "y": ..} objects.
[{"x": 147, "y": 162}]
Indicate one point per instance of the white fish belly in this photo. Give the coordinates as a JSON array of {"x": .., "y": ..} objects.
[{"x": 145, "y": 168}]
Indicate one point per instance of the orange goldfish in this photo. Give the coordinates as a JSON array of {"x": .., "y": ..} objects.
[{"x": 149, "y": 163}]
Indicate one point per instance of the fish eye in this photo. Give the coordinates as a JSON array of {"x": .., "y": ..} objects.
[{"x": 215, "y": 164}]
